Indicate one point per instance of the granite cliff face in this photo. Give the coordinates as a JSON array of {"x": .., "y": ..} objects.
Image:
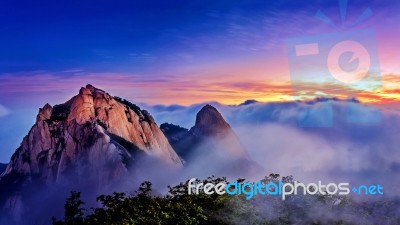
[
  {"x": 93, "y": 141},
  {"x": 93, "y": 133}
]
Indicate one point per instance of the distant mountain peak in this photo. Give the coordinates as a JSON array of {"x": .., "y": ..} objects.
[
  {"x": 249, "y": 102},
  {"x": 211, "y": 125},
  {"x": 209, "y": 122},
  {"x": 211, "y": 139},
  {"x": 333, "y": 99}
]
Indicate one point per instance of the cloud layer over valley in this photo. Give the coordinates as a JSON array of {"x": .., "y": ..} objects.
[{"x": 366, "y": 152}]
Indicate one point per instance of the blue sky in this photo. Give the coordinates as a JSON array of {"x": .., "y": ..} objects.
[{"x": 129, "y": 36}]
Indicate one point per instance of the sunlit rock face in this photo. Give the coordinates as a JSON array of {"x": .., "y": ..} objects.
[
  {"x": 92, "y": 142},
  {"x": 91, "y": 134}
]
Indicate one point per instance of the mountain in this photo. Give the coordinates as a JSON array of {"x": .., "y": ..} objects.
[
  {"x": 93, "y": 139},
  {"x": 211, "y": 141},
  {"x": 174, "y": 133},
  {"x": 101, "y": 143},
  {"x": 2, "y": 167},
  {"x": 211, "y": 126},
  {"x": 91, "y": 128},
  {"x": 249, "y": 102}
]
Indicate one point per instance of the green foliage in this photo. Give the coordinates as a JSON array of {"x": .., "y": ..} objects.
[
  {"x": 60, "y": 112},
  {"x": 178, "y": 207},
  {"x": 144, "y": 208},
  {"x": 74, "y": 211},
  {"x": 144, "y": 115},
  {"x": 132, "y": 106}
]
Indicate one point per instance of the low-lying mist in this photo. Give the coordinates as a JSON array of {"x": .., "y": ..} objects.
[{"x": 359, "y": 153}]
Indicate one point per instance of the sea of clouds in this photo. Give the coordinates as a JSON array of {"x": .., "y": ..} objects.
[{"x": 363, "y": 152}]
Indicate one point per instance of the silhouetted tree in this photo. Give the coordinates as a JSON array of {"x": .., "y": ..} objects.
[{"x": 73, "y": 211}]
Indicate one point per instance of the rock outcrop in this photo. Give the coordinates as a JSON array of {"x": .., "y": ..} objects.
[
  {"x": 175, "y": 134},
  {"x": 92, "y": 141},
  {"x": 92, "y": 138},
  {"x": 212, "y": 126},
  {"x": 212, "y": 145}
]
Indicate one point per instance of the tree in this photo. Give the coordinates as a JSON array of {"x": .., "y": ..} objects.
[
  {"x": 179, "y": 208},
  {"x": 175, "y": 208},
  {"x": 74, "y": 211}
]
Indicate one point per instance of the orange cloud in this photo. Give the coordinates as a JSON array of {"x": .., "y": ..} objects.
[{"x": 184, "y": 90}]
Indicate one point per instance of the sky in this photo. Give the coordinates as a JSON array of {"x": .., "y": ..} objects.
[{"x": 184, "y": 52}]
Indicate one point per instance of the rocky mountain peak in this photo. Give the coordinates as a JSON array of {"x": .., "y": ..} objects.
[
  {"x": 249, "y": 102},
  {"x": 210, "y": 122},
  {"x": 210, "y": 134},
  {"x": 44, "y": 113},
  {"x": 93, "y": 140},
  {"x": 92, "y": 129},
  {"x": 211, "y": 139}
]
